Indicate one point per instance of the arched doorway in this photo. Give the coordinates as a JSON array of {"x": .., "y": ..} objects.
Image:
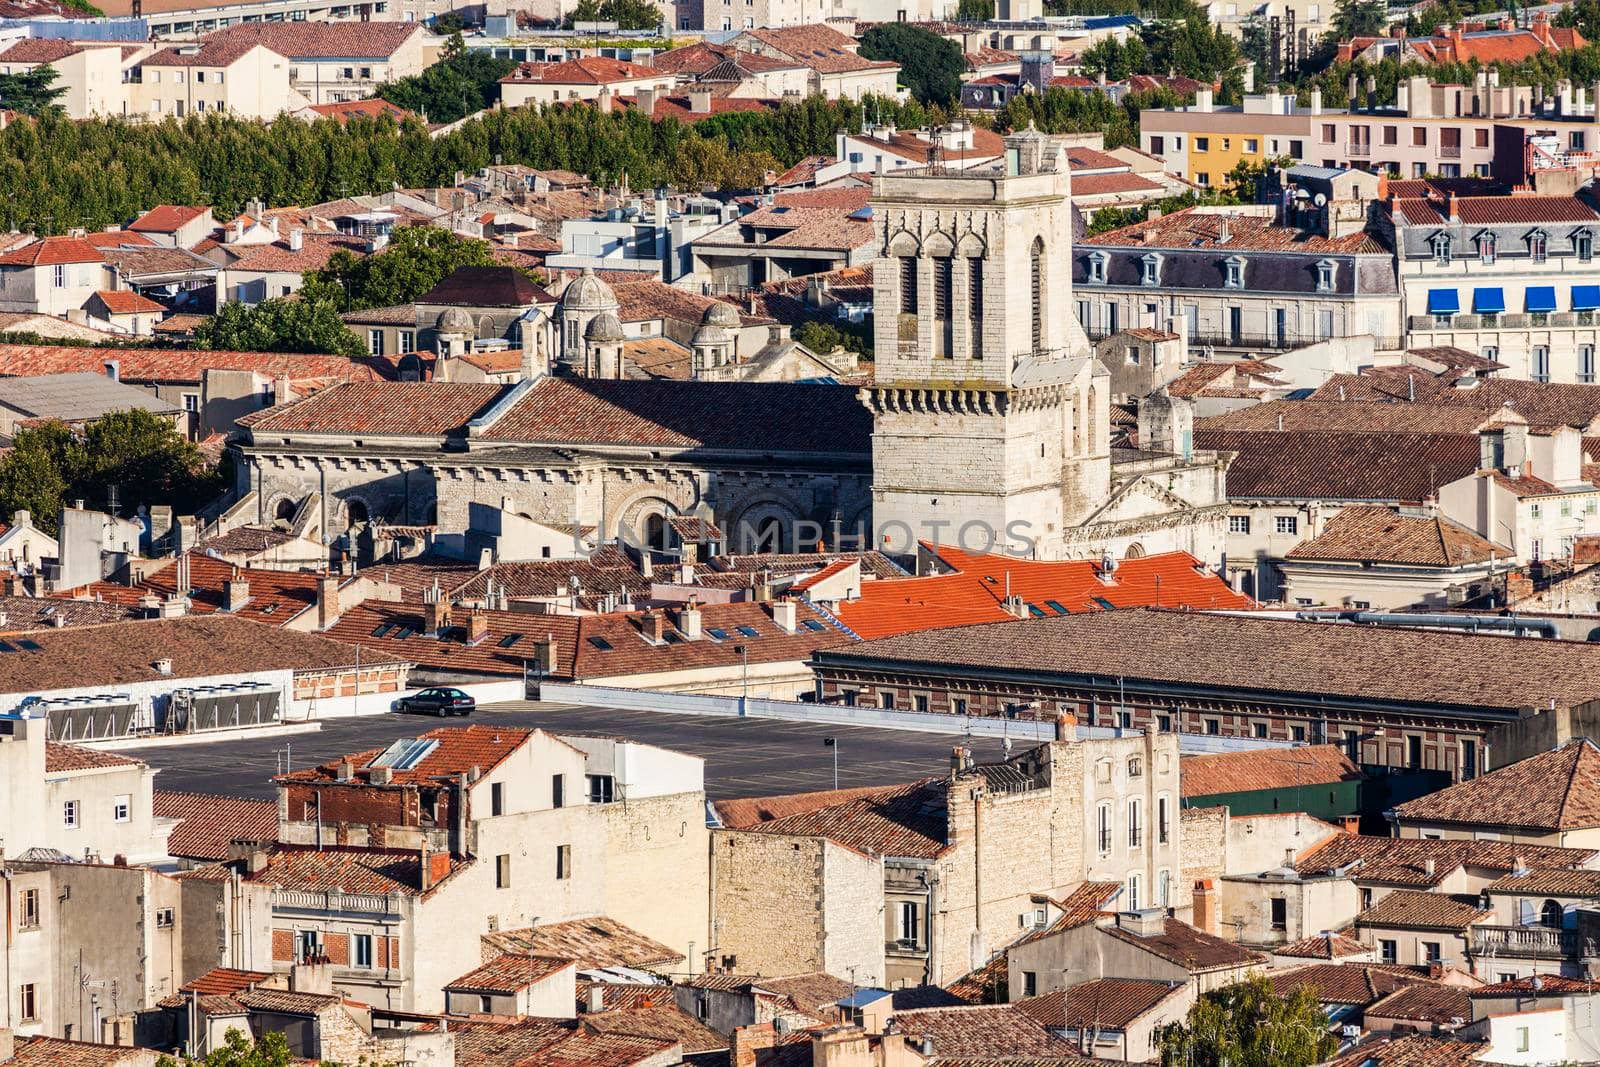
[
  {"x": 355, "y": 512},
  {"x": 655, "y": 532},
  {"x": 283, "y": 513}
]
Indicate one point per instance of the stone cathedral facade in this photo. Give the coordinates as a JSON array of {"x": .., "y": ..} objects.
[{"x": 987, "y": 423}]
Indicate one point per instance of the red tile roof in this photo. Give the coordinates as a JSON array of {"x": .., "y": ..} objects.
[
  {"x": 745, "y": 812},
  {"x": 368, "y": 871},
  {"x": 1548, "y": 792},
  {"x": 1323, "y": 947},
  {"x": 109, "y": 239},
  {"x": 209, "y": 53},
  {"x": 40, "y": 50},
  {"x": 596, "y": 943},
  {"x": 1193, "y": 949},
  {"x": 585, "y": 70},
  {"x": 1417, "y": 1050},
  {"x": 1544, "y": 985},
  {"x": 1552, "y": 883},
  {"x": 1404, "y": 468},
  {"x": 509, "y": 973},
  {"x": 1345, "y": 983},
  {"x": 145, "y": 365},
  {"x": 981, "y": 1032},
  {"x": 1191, "y": 228},
  {"x": 323, "y": 40},
  {"x": 275, "y": 596},
  {"x": 223, "y": 980},
  {"x": 1102, "y": 1004},
  {"x": 210, "y": 823},
  {"x": 1488, "y": 210},
  {"x": 60, "y": 759},
  {"x": 976, "y": 592},
  {"x": 428, "y": 409},
  {"x": 822, "y": 48},
  {"x": 374, "y": 108},
  {"x": 1404, "y": 861},
  {"x": 166, "y": 218},
  {"x": 1429, "y": 1002},
  {"x": 1411, "y": 910},
  {"x": 1108, "y": 184},
  {"x": 1267, "y": 768},
  {"x": 128, "y": 302},
  {"x": 458, "y": 749},
  {"x": 54, "y": 1052},
  {"x": 51, "y": 251},
  {"x": 905, "y": 821},
  {"x": 314, "y": 252},
  {"x": 1379, "y": 535}
]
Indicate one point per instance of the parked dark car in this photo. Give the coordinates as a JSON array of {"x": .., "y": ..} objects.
[{"x": 437, "y": 702}]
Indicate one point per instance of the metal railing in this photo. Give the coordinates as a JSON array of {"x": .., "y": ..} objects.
[
  {"x": 1519, "y": 320},
  {"x": 1358, "y": 148},
  {"x": 1536, "y": 941},
  {"x": 1246, "y": 339},
  {"x": 1450, "y": 151}
]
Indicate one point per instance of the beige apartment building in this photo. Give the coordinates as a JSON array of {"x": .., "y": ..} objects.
[
  {"x": 332, "y": 62},
  {"x": 236, "y": 77},
  {"x": 91, "y": 73}
]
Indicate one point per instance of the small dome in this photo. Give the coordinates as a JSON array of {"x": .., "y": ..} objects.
[
  {"x": 604, "y": 327},
  {"x": 588, "y": 293},
  {"x": 710, "y": 335},
  {"x": 454, "y": 320},
  {"x": 721, "y": 313}
]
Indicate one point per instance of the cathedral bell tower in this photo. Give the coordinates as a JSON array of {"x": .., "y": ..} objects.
[{"x": 991, "y": 416}]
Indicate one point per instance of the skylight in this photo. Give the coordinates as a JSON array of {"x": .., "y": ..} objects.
[
  {"x": 749, "y": 631},
  {"x": 601, "y": 643},
  {"x": 1057, "y": 607},
  {"x": 510, "y": 639},
  {"x": 405, "y": 753}
]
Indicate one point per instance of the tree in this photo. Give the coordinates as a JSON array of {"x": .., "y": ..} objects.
[
  {"x": 460, "y": 84},
  {"x": 1360, "y": 18},
  {"x": 32, "y": 92},
  {"x": 824, "y": 337},
  {"x": 141, "y": 455},
  {"x": 930, "y": 66},
  {"x": 416, "y": 259},
  {"x": 450, "y": 23},
  {"x": 627, "y": 14},
  {"x": 975, "y": 10},
  {"x": 1248, "y": 1025},
  {"x": 304, "y": 325}
]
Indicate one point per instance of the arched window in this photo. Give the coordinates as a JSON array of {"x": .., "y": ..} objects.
[
  {"x": 1550, "y": 915},
  {"x": 1036, "y": 281},
  {"x": 655, "y": 532},
  {"x": 285, "y": 510},
  {"x": 355, "y": 514}
]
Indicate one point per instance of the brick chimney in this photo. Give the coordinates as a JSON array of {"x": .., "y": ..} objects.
[
  {"x": 436, "y": 615},
  {"x": 327, "y": 600},
  {"x": 544, "y": 654},
  {"x": 477, "y": 627},
  {"x": 654, "y": 625},
  {"x": 236, "y": 593},
  {"x": 748, "y": 1040},
  {"x": 1205, "y": 906}
]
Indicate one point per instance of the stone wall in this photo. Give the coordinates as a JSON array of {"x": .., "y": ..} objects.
[
  {"x": 1203, "y": 850},
  {"x": 645, "y": 840},
  {"x": 767, "y": 901}
]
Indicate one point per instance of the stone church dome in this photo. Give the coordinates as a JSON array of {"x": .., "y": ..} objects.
[
  {"x": 604, "y": 327},
  {"x": 454, "y": 320},
  {"x": 721, "y": 313},
  {"x": 588, "y": 293}
]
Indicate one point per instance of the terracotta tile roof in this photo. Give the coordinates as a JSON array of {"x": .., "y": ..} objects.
[
  {"x": 107, "y": 239},
  {"x": 1404, "y": 861},
  {"x": 1222, "y": 377},
  {"x": 1549, "y": 792},
  {"x": 1265, "y": 768},
  {"x": 1417, "y": 1050},
  {"x": 275, "y": 596},
  {"x": 374, "y": 108},
  {"x": 323, "y": 40},
  {"x": 1554, "y": 883},
  {"x": 1376, "y": 466},
  {"x": 816, "y": 993},
  {"x": 1345, "y": 983},
  {"x": 1323, "y": 947},
  {"x": 614, "y": 995},
  {"x": 702, "y": 56},
  {"x": 1378, "y": 535},
  {"x": 211, "y": 822},
  {"x": 976, "y": 591},
  {"x": 245, "y": 539},
  {"x": 814, "y": 226},
  {"x": 509, "y": 973},
  {"x": 348, "y": 869},
  {"x": 54, "y": 1052},
  {"x": 1195, "y": 950},
  {"x": 1543, "y": 404},
  {"x": 745, "y": 812},
  {"x": 1408, "y": 909},
  {"x": 650, "y": 299},
  {"x": 1490, "y": 210},
  {"x": 874, "y": 564},
  {"x": 62, "y": 759},
  {"x": 904, "y": 821},
  {"x": 1431, "y": 1002},
  {"x": 822, "y": 48},
  {"x": 979, "y": 1031},
  {"x": 209, "y": 53},
  {"x": 571, "y": 1045},
  {"x": 595, "y": 944},
  {"x": 1105, "y": 1003},
  {"x": 585, "y": 70},
  {"x": 224, "y": 980},
  {"x": 40, "y": 50},
  {"x": 1108, "y": 184},
  {"x": 1190, "y": 228},
  {"x": 28, "y": 613},
  {"x": 1260, "y": 655},
  {"x": 663, "y": 1022},
  {"x": 422, "y": 409},
  {"x": 146, "y": 365},
  {"x": 1548, "y": 985},
  {"x": 457, "y": 749},
  {"x": 128, "y": 302},
  {"x": 166, "y": 218},
  {"x": 681, "y": 107},
  {"x": 984, "y": 985},
  {"x": 123, "y": 652},
  {"x": 50, "y": 251},
  {"x": 1323, "y": 414},
  {"x": 741, "y": 416},
  {"x": 908, "y": 144},
  {"x": 477, "y": 287},
  {"x": 285, "y": 1002},
  {"x": 314, "y": 252}
]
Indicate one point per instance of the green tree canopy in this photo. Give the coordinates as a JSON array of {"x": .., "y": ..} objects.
[
  {"x": 33, "y": 92},
  {"x": 1247, "y": 1025},
  {"x": 141, "y": 455},
  {"x": 302, "y": 325},
  {"x": 975, "y": 10},
  {"x": 416, "y": 259},
  {"x": 930, "y": 66},
  {"x": 627, "y": 14},
  {"x": 1360, "y": 18},
  {"x": 462, "y": 83}
]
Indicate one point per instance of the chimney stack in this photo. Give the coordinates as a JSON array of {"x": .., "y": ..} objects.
[
  {"x": 645, "y": 99},
  {"x": 700, "y": 101},
  {"x": 689, "y": 621},
  {"x": 654, "y": 625},
  {"x": 477, "y": 627},
  {"x": 544, "y": 654},
  {"x": 783, "y": 613},
  {"x": 327, "y": 601},
  {"x": 236, "y": 593},
  {"x": 297, "y": 239},
  {"x": 1205, "y": 906}
]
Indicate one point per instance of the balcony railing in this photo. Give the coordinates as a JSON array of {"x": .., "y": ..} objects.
[
  {"x": 1542, "y": 942},
  {"x": 1358, "y": 148},
  {"x": 1522, "y": 320},
  {"x": 1245, "y": 339},
  {"x": 1450, "y": 151}
]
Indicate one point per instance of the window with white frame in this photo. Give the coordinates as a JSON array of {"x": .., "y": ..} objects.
[
  {"x": 59, "y": 276},
  {"x": 1287, "y": 524},
  {"x": 1325, "y": 272},
  {"x": 122, "y": 807},
  {"x": 1135, "y": 823},
  {"x": 1441, "y": 248},
  {"x": 1235, "y": 272},
  {"x": 375, "y": 342},
  {"x": 1538, "y": 246},
  {"x": 1103, "y": 818},
  {"x": 1134, "y": 903},
  {"x": 1150, "y": 270},
  {"x": 907, "y": 922},
  {"x": 1097, "y": 268},
  {"x": 1583, "y": 245},
  {"x": 361, "y": 950},
  {"x": 1239, "y": 524},
  {"x": 69, "y": 815}
]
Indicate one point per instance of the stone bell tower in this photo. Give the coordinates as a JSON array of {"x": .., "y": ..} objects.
[{"x": 990, "y": 413}]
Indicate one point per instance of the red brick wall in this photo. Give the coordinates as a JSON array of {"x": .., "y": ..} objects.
[
  {"x": 337, "y": 948},
  {"x": 283, "y": 945},
  {"x": 348, "y": 804}
]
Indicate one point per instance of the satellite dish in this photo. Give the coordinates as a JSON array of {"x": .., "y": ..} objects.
[{"x": 1321, "y": 199}]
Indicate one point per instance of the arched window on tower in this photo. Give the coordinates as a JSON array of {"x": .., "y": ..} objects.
[
  {"x": 1550, "y": 915},
  {"x": 1036, "y": 281}
]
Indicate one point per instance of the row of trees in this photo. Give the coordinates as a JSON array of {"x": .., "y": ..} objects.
[{"x": 56, "y": 174}]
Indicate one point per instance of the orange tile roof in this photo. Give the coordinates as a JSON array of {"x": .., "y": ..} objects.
[
  {"x": 61, "y": 758},
  {"x": 745, "y": 812},
  {"x": 459, "y": 749},
  {"x": 346, "y": 110},
  {"x": 210, "y": 823},
  {"x": 1549, "y": 792},
  {"x": 342, "y": 868},
  {"x": 323, "y": 40},
  {"x": 224, "y": 980},
  {"x": 982, "y": 1031},
  {"x": 403, "y": 408},
  {"x": 1409, "y": 909},
  {"x": 1380, "y": 535},
  {"x": 109, "y": 239},
  {"x": 1104, "y": 1003},
  {"x": 275, "y": 596},
  {"x": 51, "y": 251},
  {"x": 509, "y": 973},
  {"x": 128, "y": 302},
  {"x": 178, "y": 365},
  {"x": 903, "y": 820},
  {"x": 585, "y": 70},
  {"x": 1190, "y": 228},
  {"x": 1323, "y": 947},
  {"x": 976, "y": 592},
  {"x": 166, "y": 218},
  {"x": 596, "y": 943},
  {"x": 1268, "y": 768}
]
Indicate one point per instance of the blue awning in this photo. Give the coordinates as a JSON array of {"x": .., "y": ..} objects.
[
  {"x": 1541, "y": 298},
  {"x": 1585, "y": 297},
  {"x": 1443, "y": 302},
  {"x": 1489, "y": 300}
]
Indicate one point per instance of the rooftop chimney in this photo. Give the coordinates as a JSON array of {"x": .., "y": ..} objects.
[
  {"x": 544, "y": 654},
  {"x": 645, "y": 99},
  {"x": 327, "y": 601},
  {"x": 1205, "y": 906},
  {"x": 700, "y": 101},
  {"x": 783, "y": 613},
  {"x": 477, "y": 627},
  {"x": 297, "y": 239},
  {"x": 236, "y": 593},
  {"x": 689, "y": 621},
  {"x": 654, "y": 625}
]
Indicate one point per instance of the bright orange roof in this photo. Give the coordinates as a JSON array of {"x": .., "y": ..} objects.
[{"x": 975, "y": 593}]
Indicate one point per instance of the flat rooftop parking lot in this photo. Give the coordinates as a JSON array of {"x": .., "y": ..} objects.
[{"x": 744, "y": 757}]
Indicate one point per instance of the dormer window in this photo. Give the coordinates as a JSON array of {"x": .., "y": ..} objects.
[
  {"x": 1234, "y": 272},
  {"x": 1538, "y": 246},
  {"x": 1325, "y": 272},
  {"x": 1150, "y": 273},
  {"x": 1486, "y": 244},
  {"x": 1583, "y": 245},
  {"x": 1097, "y": 268},
  {"x": 1441, "y": 249}
]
